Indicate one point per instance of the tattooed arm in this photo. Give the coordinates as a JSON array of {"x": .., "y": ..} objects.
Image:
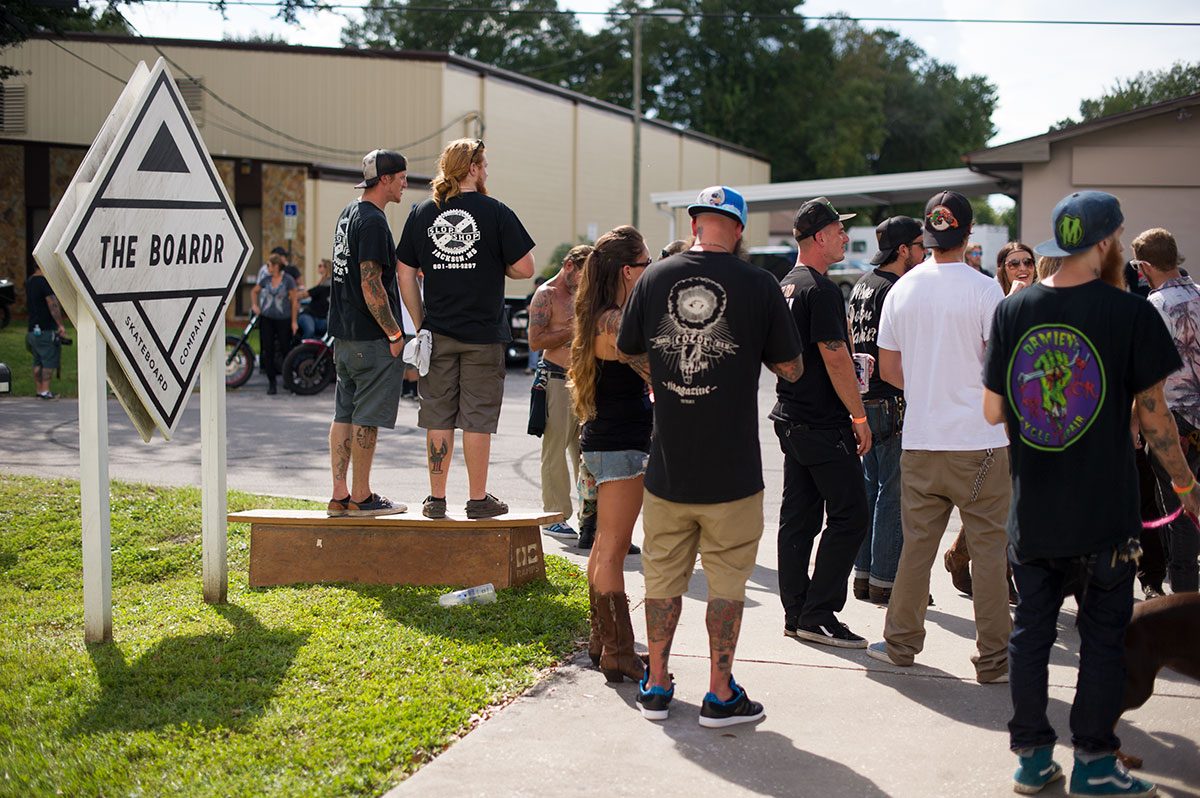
[
  {"x": 377, "y": 302},
  {"x": 1161, "y": 434},
  {"x": 55, "y": 313},
  {"x": 541, "y": 314},
  {"x": 607, "y": 328},
  {"x": 789, "y": 370},
  {"x": 841, "y": 374}
]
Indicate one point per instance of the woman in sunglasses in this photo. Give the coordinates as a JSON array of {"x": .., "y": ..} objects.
[
  {"x": 1015, "y": 267},
  {"x": 613, "y": 403}
]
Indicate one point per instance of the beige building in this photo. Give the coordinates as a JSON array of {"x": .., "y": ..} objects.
[
  {"x": 1149, "y": 158},
  {"x": 290, "y": 124}
]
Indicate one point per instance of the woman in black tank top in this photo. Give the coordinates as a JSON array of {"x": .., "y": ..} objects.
[{"x": 612, "y": 402}]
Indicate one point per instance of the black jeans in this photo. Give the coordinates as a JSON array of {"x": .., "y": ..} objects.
[
  {"x": 822, "y": 474},
  {"x": 1104, "y": 590},
  {"x": 275, "y": 336}
]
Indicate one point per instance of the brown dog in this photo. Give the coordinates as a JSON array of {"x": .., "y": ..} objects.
[{"x": 1163, "y": 633}]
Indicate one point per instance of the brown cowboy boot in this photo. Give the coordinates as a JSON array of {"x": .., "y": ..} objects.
[
  {"x": 958, "y": 562},
  {"x": 594, "y": 645},
  {"x": 618, "y": 659}
]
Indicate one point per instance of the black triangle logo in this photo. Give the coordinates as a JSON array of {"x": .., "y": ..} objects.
[{"x": 163, "y": 155}]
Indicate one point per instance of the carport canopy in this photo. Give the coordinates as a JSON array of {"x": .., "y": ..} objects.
[{"x": 849, "y": 192}]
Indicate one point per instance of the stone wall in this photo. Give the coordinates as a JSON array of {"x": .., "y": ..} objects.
[
  {"x": 282, "y": 184},
  {"x": 64, "y": 163},
  {"x": 12, "y": 220}
]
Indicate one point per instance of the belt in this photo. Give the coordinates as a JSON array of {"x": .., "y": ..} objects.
[
  {"x": 878, "y": 402},
  {"x": 556, "y": 375}
]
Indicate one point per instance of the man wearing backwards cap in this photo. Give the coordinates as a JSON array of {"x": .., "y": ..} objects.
[
  {"x": 901, "y": 247},
  {"x": 1067, "y": 359},
  {"x": 364, "y": 305},
  {"x": 932, "y": 336},
  {"x": 697, "y": 326},
  {"x": 823, "y": 431}
]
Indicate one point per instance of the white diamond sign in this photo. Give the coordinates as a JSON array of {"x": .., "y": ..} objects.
[{"x": 156, "y": 249}]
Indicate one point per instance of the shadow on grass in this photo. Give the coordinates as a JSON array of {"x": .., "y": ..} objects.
[{"x": 208, "y": 680}]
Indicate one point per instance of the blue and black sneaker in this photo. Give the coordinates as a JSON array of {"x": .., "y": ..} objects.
[
  {"x": 655, "y": 702},
  {"x": 1036, "y": 771},
  {"x": 715, "y": 713},
  {"x": 1106, "y": 777}
]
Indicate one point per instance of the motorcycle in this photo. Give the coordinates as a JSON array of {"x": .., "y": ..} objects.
[
  {"x": 239, "y": 356},
  {"x": 308, "y": 368},
  {"x": 8, "y": 296}
]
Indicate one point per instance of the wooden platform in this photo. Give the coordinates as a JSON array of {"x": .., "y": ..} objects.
[{"x": 290, "y": 546}]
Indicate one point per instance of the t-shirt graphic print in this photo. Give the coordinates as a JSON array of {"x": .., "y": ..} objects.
[
  {"x": 1056, "y": 385},
  {"x": 693, "y": 334},
  {"x": 454, "y": 234}
]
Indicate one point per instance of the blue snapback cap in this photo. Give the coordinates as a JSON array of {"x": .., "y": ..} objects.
[
  {"x": 1080, "y": 221},
  {"x": 720, "y": 199}
]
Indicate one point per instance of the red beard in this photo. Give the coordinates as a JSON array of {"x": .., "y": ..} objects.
[{"x": 1112, "y": 268}]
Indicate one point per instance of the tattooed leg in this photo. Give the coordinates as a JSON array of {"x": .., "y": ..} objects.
[
  {"x": 724, "y": 622},
  {"x": 439, "y": 446},
  {"x": 339, "y": 456},
  {"x": 662, "y": 616},
  {"x": 362, "y": 453}
]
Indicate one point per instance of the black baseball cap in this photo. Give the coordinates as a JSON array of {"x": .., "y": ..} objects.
[
  {"x": 892, "y": 233},
  {"x": 815, "y": 215},
  {"x": 1081, "y": 220},
  {"x": 948, "y": 218},
  {"x": 378, "y": 163}
]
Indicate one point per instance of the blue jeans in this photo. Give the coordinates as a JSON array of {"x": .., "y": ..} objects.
[
  {"x": 1105, "y": 598},
  {"x": 311, "y": 326},
  {"x": 880, "y": 551}
]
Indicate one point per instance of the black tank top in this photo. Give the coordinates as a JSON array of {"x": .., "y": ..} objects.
[{"x": 624, "y": 415}]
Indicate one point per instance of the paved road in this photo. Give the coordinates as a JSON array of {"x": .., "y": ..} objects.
[{"x": 837, "y": 724}]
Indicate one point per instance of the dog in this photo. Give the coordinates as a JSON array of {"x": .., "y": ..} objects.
[{"x": 1163, "y": 633}]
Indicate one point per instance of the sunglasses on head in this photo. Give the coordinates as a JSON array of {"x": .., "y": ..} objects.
[{"x": 478, "y": 147}]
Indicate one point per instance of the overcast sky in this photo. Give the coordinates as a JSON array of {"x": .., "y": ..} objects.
[{"x": 1041, "y": 72}]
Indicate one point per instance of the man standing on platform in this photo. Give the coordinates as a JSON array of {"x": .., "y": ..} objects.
[
  {"x": 551, "y": 329},
  {"x": 465, "y": 243},
  {"x": 822, "y": 429},
  {"x": 363, "y": 307},
  {"x": 900, "y": 248}
]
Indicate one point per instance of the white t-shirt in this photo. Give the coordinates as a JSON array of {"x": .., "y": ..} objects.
[{"x": 939, "y": 317}]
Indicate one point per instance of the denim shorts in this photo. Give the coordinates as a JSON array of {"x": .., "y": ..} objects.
[{"x": 609, "y": 466}]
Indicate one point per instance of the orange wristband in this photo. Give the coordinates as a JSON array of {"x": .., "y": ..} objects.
[
  {"x": 1181, "y": 491},
  {"x": 862, "y": 420}
]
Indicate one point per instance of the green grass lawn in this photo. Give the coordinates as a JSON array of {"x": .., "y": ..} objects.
[
  {"x": 304, "y": 690},
  {"x": 20, "y": 361}
]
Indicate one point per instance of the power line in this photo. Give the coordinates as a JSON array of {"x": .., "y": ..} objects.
[{"x": 706, "y": 15}]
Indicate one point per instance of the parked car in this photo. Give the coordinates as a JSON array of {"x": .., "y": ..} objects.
[
  {"x": 517, "y": 308},
  {"x": 779, "y": 260}
]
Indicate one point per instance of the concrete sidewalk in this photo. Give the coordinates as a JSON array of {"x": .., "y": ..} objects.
[{"x": 837, "y": 723}]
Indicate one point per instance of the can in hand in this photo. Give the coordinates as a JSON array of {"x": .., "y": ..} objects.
[{"x": 864, "y": 367}]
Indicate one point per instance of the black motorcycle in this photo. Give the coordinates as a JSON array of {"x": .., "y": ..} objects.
[
  {"x": 8, "y": 296},
  {"x": 308, "y": 368},
  {"x": 239, "y": 356}
]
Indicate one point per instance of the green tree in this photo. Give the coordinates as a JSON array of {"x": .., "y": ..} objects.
[{"x": 1144, "y": 88}]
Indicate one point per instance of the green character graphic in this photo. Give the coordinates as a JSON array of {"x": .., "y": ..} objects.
[
  {"x": 1070, "y": 230},
  {"x": 1055, "y": 368}
]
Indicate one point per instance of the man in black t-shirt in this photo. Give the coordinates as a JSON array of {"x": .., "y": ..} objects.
[
  {"x": 822, "y": 429},
  {"x": 465, "y": 243},
  {"x": 900, "y": 248},
  {"x": 364, "y": 306},
  {"x": 45, "y": 329},
  {"x": 1066, "y": 360},
  {"x": 698, "y": 326}
]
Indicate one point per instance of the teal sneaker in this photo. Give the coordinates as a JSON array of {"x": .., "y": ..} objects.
[
  {"x": 654, "y": 702},
  {"x": 1036, "y": 771},
  {"x": 1106, "y": 776}
]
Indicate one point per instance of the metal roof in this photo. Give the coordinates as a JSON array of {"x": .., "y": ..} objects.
[{"x": 851, "y": 192}]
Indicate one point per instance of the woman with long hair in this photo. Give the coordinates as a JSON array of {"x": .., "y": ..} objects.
[
  {"x": 1015, "y": 267},
  {"x": 613, "y": 403}
]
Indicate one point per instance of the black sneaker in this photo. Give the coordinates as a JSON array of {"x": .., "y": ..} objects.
[
  {"x": 715, "y": 713},
  {"x": 434, "y": 508},
  {"x": 487, "y": 507},
  {"x": 832, "y": 633},
  {"x": 374, "y": 505},
  {"x": 338, "y": 507},
  {"x": 654, "y": 703}
]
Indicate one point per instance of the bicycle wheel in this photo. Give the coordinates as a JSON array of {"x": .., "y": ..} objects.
[
  {"x": 307, "y": 370},
  {"x": 239, "y": 362}
]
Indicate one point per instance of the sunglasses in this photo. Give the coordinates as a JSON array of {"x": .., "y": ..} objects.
[
  {"x": 641, "y": 264},
  {"x": 1012, "y": 264},
  {"x": 974, "y": 251},
  {"x": 478, "y": 147}
]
